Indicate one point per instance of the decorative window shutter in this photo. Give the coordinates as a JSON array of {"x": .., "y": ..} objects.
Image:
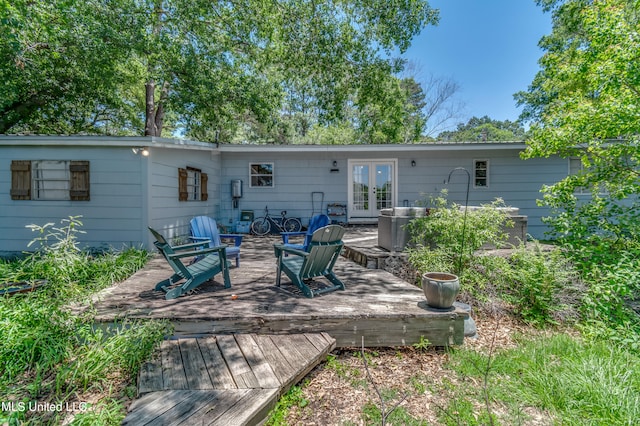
[
  {"x": 183, "y": 194},
  {"x": 20, "y": 180},
  {"x": 204, "y": 195},
  {"x": 79, "y": 188}
]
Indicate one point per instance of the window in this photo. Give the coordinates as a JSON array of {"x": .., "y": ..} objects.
[
  {"x": 480, "y": 173},
  {"x": 261, "y": 175},
  {"x": 50, "y": 180},
  {"x": 192, "y": 185},
  {"x": 575, "y": 168}
]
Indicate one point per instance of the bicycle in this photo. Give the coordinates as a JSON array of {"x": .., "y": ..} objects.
[{"x": 262, "y": 225}]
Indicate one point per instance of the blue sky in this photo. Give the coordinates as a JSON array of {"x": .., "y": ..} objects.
[{"x": 489, "y": 47}]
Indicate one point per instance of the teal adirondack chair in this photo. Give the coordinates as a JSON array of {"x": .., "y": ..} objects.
[
  {"x": 300, "y": 266},
  {"x": 213, "y": 262}
]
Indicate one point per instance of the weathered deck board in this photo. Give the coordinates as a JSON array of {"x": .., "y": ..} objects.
[
  {"x": 151, "y": 376},
  {"x": 281, "y": 367},
  {"x": 219, "y": 373},
  {"x": 195, "y": 368},
  {"x": 230, "y": 379},
  {"x": 173, "y": 375},
  {"x": 319, "y": 340},
  {"x": 251, "y": 408},
  {"x": 256, "y": 360},
  {"x": 153, "y": 405},
  {"x": 238, "y": 365}
]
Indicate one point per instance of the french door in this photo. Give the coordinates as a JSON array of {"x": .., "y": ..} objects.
[{"x": 372, "y": 187}]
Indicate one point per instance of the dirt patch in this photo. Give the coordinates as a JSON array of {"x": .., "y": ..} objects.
[{"x": 341, "y": 392}]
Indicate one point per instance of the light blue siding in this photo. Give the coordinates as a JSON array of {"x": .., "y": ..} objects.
[
  {"x": 111, "y": 218},
  {"x": 166, "y": 213},
  {"x": 130, "y": 192},
  {"x": 299, "y": 172}
]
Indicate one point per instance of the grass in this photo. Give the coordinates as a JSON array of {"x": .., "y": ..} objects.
[
  {"x": 575, "y": 381},
  {"x": 293, "y": 398},
  {"x": 53, "y": 358}
]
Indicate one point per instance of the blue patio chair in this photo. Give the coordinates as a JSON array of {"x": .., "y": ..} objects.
[
  {"x": 204, "y": 228},
  {"x": 318, "y": 221}
]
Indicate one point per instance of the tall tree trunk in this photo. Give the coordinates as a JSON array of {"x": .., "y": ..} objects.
[
  {"x": 154, "y": 119},
  {"x": 150, "y": 128}
]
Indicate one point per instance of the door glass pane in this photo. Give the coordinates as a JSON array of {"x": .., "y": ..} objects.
[
  {"x": 384, "y": 187},
  {"x": 360, "y": 187}
]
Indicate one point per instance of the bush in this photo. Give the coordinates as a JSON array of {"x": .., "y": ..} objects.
[
  {"x": 45, "y": 351},
  {"x": 448, "y": 223},
  {"x": 446, "y": 239},
  {"x": 611, "y": 306},
  {"x": 541, "y": 287}
]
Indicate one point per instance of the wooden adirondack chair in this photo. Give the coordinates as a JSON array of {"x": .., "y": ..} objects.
[
  {"x": 316, "y": 222},
  {"x": 213, "y": 262},
  {"x": 318, "y": 261},
  {"x": 204, "y": 228}
]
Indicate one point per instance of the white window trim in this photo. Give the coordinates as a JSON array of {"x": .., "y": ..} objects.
[
  {"x": 251, "y": 175},
  {"x": 487, "y": 177},
  {"x": 194, "y": 184}
]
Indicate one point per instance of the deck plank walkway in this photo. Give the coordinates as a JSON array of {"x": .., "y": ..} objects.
[{"x": 225, "y": 379}]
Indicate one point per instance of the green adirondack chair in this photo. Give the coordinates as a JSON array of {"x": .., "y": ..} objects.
[
  {"x": 213, "y": 262},
  {"x": 301, "y": 266}
]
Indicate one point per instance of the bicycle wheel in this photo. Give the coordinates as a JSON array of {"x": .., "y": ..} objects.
[
  {"x": 261, "y": 226},
  {"x": 292, "y": 225}
]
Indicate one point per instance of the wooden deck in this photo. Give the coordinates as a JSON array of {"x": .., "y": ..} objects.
[
  {"x": 376, "y": 305},
  {"x": 223, "y": 380}
]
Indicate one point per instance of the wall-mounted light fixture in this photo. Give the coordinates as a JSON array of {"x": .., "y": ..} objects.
[
  {"x": 413, "y": 163},
  {"x": 335, "y": 163},
  {"x": 143, "y": 150},
  {"x": 334, "y": 168}
]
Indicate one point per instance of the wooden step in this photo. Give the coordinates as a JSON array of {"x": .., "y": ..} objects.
[{"x": 223, "y": 379}]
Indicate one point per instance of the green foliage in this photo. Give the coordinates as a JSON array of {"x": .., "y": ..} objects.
[
  {"x": 390, "y": 110},
  {"x": 58, "y": 257},
  {"x": 485, "y": 129},
  {"x": 70, "y": 271},
  {"x": 462, "y": 411},
  {"x": 123, "y": 348},
  {"x": 107, "y": 412},
  {"x": 438, "y": 236},
  {"x": 608, "y": 307},
  {"x": 443, "y": 227},
  {"x": 583, "y": 104},
  {"x": 371, "y": 415},
  {"x": 35, "y": 336},
  {"x": 573, "y": 380},
  {"x": 54, "y": 80},
  {"x": 536, "y": 282},
  {"x": 345, "y": 372},
  {"x": 45, "y": 350},
  {"x": 422, "y": 345},
  {"x": 200, "y": 68},
  {"x": 293, "y": 398},
  {"x": 541, "y": 286}
]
